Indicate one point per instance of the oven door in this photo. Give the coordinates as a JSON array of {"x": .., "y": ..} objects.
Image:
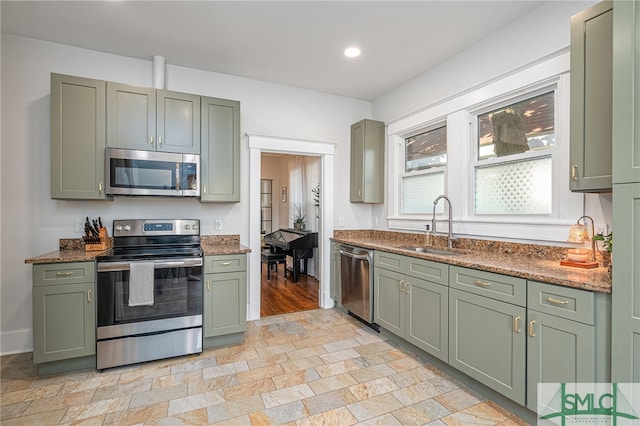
[{"x": 177, "y": 297}]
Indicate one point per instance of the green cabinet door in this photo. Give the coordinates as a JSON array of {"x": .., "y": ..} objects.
[
  {"x": 388, "y": 300},
  {"x": 131, "y": 117},
  {"x": 336, "y": 274},
  {"x": 427, "y": 320},
  {"x": 64, "y": 324},
  {"x": 558, "y": 351},
  {"x": 626, "y": 102},
  {"x": 152, "y": 120},
  {"x": 487, "y": 342},
  {"x": 178, "y": 122},
  {"x": 625, "y": 358},
  {"x": 367, "y": 162},
  {"x": 591, "y": 98},
  {"x": 225, "y": 303},
  {"x": 77, "y": 138},
  {"x": 220, "y": 158}
]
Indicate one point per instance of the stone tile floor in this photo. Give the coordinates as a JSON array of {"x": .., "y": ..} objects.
[{"x": 317, "y": 367}]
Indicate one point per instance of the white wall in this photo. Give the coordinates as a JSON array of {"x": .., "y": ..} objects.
[
  {"x": 31, "y": 223},
  {"x": 540, "y": 33}
]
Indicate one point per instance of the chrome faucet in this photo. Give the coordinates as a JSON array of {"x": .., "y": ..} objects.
[{"x": 450, "y": 237}]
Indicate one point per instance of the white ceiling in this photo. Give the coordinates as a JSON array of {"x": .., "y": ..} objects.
[{"x": 297, "y": 43}]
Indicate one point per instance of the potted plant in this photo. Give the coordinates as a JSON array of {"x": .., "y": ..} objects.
[
  {"x": 607, "y": 245},
  {"x": 299, "y": 218}
]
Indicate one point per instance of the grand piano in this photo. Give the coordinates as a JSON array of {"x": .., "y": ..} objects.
[{"x": 297, "y": 244}]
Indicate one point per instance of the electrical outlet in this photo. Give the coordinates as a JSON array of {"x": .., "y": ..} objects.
[
  {"x": 217, "y": 223},
  {"x": 78, "y": 226},
  {"x": 341, "y": 221},
  {"x": 601, "y": 228}
]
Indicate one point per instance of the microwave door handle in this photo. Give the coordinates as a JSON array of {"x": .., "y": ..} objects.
[{"x": 178, "y": 177}]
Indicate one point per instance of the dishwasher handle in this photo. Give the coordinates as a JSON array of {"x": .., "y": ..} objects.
[{"x": 355, "y": 256}]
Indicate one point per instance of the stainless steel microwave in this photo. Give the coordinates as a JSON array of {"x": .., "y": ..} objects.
[{"x": 151, "y": 173}]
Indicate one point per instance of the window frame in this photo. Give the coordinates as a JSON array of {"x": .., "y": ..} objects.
[
  {"x": 553, "y": 152},
  {"x": 427, "y": 171},
  {"x": 458, "y": 111}
]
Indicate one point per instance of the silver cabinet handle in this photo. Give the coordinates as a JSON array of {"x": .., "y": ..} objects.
[
  {"x": 204, "y": 189},
  {"x": 516, "y": 325},
  {"x": 65, "y": 273},
  {"x": 482, "y": 283},
  {"x": 574, "y": 172},
  {"x": 151, "y": 140},
  {"x": 226, "y": 263},
  {"x": 556, "y": 301},
  {"x": 100, "y": 187},
  {"x": 159, "y": 140},
  {"x": 89, "y": 296},
  {"x": 177, "y": 176},
  {"x": 531, "y": 331},
  {"x": 208, "y": 285}
]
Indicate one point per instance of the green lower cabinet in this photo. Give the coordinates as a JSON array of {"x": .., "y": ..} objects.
[
  {"x": 427, "y": 317},
  {"x": 487, "y": 342},
  {"x": 225, "y": 295},
  {"x": 558, "y": 351},
  {"x": 388, "y": 300},
  {"x": 64, "y": 316},
  {"x": 411, "y": 306},
  {"x": 336, "y": 275}
]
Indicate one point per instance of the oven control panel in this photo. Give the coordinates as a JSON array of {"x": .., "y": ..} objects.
[{"x": 142, "y": 227}]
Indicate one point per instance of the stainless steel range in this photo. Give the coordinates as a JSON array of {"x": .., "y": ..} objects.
[{"x": 149, "y": 292}]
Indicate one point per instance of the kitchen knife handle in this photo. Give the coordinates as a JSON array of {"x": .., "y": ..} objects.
[{"x": 89, "y": 296}]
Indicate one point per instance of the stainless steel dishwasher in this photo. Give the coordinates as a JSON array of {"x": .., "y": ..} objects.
[{"x": 357, "y": 282}]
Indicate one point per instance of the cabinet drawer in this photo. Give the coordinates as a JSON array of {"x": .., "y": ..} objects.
[
  {"x": 428, "y": 270},
  {"x": 63, "y": 273},
  {"x": 496, "y": 286},
  {"x": 564, "y": 302},
  {"x": 225, "y": 263},
  {"x": 389, "y": 261}
]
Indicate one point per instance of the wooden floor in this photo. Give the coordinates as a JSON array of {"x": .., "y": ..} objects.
[{"x": 280, "y": 296}]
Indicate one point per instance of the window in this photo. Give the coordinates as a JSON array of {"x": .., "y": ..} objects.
[
  {"x": 425, "y": 158},
  {"x": 514, "y": 158}
]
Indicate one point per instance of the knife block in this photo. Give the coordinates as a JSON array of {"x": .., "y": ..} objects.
[{"x": 105, "y": 242}]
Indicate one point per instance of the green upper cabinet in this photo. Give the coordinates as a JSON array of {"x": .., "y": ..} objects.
[
  {"x": 152, "y": 120},
  {"x": 220, "y": 158},
  {"x": 367, "y": 162},
  {"x": 591, "y": 98},
  {"x": 77, "y": 138},
  {"x": 626, "y": 105}
]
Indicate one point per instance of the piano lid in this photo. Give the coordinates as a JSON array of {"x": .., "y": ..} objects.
[{"x": 285, "y": 236}]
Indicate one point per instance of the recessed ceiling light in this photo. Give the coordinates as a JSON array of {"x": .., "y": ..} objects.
[{"x": 352, "y": 52}]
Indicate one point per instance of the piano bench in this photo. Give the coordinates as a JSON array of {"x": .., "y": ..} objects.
[{"x": 273, "y": 259}]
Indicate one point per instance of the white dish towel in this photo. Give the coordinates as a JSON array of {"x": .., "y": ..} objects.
[{"x": 141, "y": 284}]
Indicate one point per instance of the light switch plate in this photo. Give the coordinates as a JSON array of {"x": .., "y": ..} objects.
[{"x": 217, "y": 223}]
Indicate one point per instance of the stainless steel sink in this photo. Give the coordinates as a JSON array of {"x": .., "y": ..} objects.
[{"x": 451, "y": 252}]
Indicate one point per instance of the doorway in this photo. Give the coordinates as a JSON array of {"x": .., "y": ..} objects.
[
  {"x": 289, "y": 206},
  {"x": 259, "y": 144}
]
